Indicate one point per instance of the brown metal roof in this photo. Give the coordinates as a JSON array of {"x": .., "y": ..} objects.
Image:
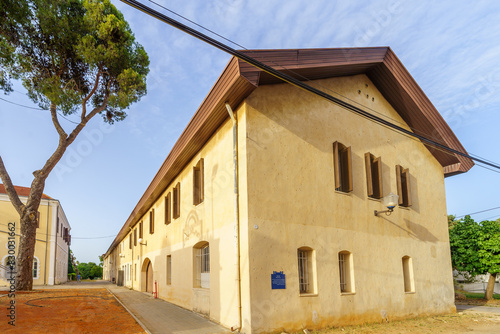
[{"x": 239, "y": 80}]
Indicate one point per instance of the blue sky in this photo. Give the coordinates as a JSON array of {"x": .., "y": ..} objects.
[{"x": 451, "y": 48}]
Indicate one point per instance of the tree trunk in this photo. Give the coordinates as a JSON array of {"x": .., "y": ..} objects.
[
  {"x": 490, "y": 287},
  {"x": 26, "y": 250}
]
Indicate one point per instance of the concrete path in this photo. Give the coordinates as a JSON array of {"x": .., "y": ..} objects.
[
  {"x": 159, "y": 316},
  {"x": 481, "y": 309}
]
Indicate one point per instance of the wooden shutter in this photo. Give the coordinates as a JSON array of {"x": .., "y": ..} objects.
[
  {"x": 403, "y": 183},
  {"x": 130, "y": 241},
  {"x": 201, "y": 185},
  {"x": 57, "y": 226},
  {"x": 167, "y": 209},
  {"x": 135, "y": 237},
  {"x": 152, "y": 221},
  {"x": 198, "y": 183},
  {"x": 406, "y": 186},
  {"x": 346, "y": 165},
  {"x": 336, "y": 165},
  {"x": 377, "y": 177},
  {"x": 399, "y": 184},
  {"x": 177, "y": 201},
  {"x": 140, "y": 230},
  {"x": 373, "y": 167},
  {"x": 368, "y": 169},
  {"x": 342, "y": 167}
]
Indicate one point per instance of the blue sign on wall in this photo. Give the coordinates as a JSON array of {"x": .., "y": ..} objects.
[{"x": 278, "y": 280}]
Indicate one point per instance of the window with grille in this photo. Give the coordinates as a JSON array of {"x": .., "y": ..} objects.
[
  {"x": 35, "y": 268},
  {"x": 346, "y": 272},
  {"x": 198, "y": 183},
  {"x": 403, "y": 185},
  {"x": 202, "y": 265},
  {"x": 373, "y": 167},
  {"x": 409, "y": 282},
  {"x": 169, "y": 269},
  {"x": 307, "y": 270},
  {"x": 342, "y": 167},
  {"x": 177, "y": 201},
  {"x": 152, "y": 221},
  {"x": 168, "y": 214}
]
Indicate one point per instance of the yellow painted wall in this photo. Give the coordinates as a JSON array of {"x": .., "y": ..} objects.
[
  {"x": 211, "y": 221},
  {"x": 292, "y": 203},
  {"x": 44, "y": 234}
]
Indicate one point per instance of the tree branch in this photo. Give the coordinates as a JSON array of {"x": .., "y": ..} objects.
[
  {"x": 60, "y": 130},
  {"x": 9, "y": 188},
  {"x": 96, "y": 84}
]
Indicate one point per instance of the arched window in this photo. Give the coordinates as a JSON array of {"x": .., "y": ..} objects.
[
  {"x": 201, "y": 265},
  {"x": 346, "y": 272}
]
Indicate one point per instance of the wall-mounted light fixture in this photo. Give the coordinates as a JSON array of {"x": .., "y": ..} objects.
[
  {"x": 145, "y": 242},
  {"x": 122, "y": 255},
  {"x": 390, "y": 201}
]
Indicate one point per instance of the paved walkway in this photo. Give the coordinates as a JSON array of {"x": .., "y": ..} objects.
[
  {"x": 156, "y": 316},
  {"x": 481, "y": 309},
  {"x": 159, "y": 316}
]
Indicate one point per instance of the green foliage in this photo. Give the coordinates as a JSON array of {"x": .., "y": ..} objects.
[
  {"x": 475, "y": 247},
  {"x": 70, "y": 265},
  {"x": 73, "y": 53},
  {"x": 89, "y": 270}
]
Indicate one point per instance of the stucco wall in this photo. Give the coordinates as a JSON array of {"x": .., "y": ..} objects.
[
  {"x": 45, "y": 241},
  {"x": 292, "y": 203},
  {"x": 211, "y": 221}
]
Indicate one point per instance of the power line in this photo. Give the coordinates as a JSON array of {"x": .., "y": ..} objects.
[
  {"x": 288, "y": 69},
  {"x": 24, "y": 106},
  {"x": 295, "y": 82},
  {"x": 20, "y": 105},
  {"x": 474, "y": 213}
]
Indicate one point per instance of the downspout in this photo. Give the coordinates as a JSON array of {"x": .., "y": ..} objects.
[
  {"x": 132, "y": 267},
  {"x": 46, "y": 245},
  {"x": 236, "y": 213},
  {"x": 55, "y": 254}
]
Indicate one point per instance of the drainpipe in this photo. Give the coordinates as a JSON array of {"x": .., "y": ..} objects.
[
  {"x": 55, "y": 254},
  {"x": 46, "y": 245},
  {"x": 236, "y": 213},
  {"x": 132, "y": 267}
]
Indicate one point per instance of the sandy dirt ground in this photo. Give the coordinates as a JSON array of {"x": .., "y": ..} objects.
[
  {"x": 66, "y": 311},
  {"x": 461, "y": 322}
]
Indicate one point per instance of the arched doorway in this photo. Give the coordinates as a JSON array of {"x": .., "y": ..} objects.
[{"x": 147, "y": 276}]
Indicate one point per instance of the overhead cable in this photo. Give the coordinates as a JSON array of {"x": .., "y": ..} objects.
[{"x": 295, "y": 82}]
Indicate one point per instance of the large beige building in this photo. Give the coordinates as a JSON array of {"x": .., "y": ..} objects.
[
  {"x": 262, "y": 215},
  {"x": 50, "y": 263}
]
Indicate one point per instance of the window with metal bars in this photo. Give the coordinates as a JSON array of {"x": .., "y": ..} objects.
[
  {"x": 202, "y": 265},
  {"x": 35, "y": 268},
  {"x": 302, "y": 256}
]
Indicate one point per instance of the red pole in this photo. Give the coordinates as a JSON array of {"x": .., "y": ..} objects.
[{"x": 156, "y": 290}]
